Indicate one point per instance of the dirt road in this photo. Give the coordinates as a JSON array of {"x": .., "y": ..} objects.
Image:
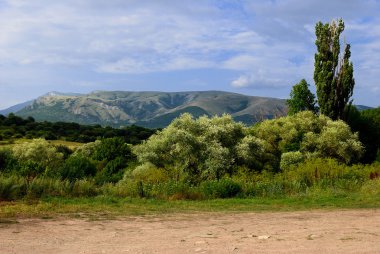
[{"x": 351, "y": 231}]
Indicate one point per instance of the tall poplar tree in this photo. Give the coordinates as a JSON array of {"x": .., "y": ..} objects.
[{"x": 333, "y": 71}]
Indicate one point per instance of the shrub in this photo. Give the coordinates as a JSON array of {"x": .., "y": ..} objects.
[
  {"x": 12, "y": 188},
  {"x": 77, "y": 167},
  {"x": 193, "y": 150},
  {"x": 291, "y": 158},
  {"x": 314, "y": 136},
  {"x": 40, "y": 152},
  {"x": 112, "y": 172},
  {"x": 43, "y": 187},
  {"x": 66, "y": 151},
  {"x": 111, "y": 148},
  {"x": 29, "y": 169},
  {"x": 326, "y": 172},
  {"x": 7, "y": 161},
  {"x": 88, "y": 149},
  {"x": 371, "y": 188},
  {"x": 124, "y": 188},
  {"x": 149, "y": 173},
  {"x": 83, "y": 188}
]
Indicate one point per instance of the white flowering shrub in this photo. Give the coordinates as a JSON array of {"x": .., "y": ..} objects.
[
  {"x": 312, "y": 135},
  {"x": 38, "y": 151},
  {"x": 198, "y": 149}
]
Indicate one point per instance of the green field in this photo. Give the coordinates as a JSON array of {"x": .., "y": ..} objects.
[
  {"x": 69, "y": 144},
  {"x": 108, "y": 206}
]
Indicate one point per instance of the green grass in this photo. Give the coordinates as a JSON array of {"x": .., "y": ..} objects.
[
  {"x": 110, "y": 207},
  {"x": 11, "y": 143},
  {"x": 69, "y": 144}
]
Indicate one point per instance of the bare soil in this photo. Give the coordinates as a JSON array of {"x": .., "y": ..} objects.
[{"x": 346, "y": 231}]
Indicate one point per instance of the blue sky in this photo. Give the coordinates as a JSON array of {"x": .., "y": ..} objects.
[{"x": 251, "y": 47}]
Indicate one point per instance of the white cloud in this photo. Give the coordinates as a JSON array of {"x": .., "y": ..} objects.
[
  {"x": 264, "y": 44},
  {"x": 130, "y": 65},
  {"x": 241, "y": 62},
  {"x": 258, "y": 80},
  {"x": 242, "y": 81}
]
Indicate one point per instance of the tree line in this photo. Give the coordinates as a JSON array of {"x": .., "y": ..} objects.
[{"x": 14, "y": 127}]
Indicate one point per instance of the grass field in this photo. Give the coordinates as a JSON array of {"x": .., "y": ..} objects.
[
  {"x": 108, "y": 207},
  {"x": 10, "y": 143}
]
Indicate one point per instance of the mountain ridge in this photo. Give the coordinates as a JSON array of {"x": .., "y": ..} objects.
[{"x": 149, "y": 108}]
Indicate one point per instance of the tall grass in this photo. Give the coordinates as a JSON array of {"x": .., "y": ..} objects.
[
  {"x": 311, "y": 178},
  {"x": 16, "y": 187}
]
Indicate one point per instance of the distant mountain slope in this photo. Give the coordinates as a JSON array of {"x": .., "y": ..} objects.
[
  {"x": 149, "y": 109},
  {"x": 18, "y": 107},
  {"x": 362, "y": 107},
  {"x": 15, "y": 108}
]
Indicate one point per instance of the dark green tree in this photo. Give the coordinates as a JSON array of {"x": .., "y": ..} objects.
[
  {"x": 301, "y": 98},
  {"x": 333, "y": 71}
]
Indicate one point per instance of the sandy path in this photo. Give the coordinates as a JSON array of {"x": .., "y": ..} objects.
[{"x": 351, "y": 231}]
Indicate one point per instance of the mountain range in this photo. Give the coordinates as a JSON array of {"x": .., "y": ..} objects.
[{"x": 148, "y": 109}]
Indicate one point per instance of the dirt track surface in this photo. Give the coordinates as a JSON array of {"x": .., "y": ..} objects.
[{"x": 351, "y": 231}]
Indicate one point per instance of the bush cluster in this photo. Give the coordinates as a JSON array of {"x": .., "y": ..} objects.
[{"x": 205, "y": 158}]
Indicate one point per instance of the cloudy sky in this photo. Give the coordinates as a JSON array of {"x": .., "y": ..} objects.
[{"x": 252, "y": 47}]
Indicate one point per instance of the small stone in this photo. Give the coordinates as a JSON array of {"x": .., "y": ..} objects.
[
  {"x": 207, "y": 236},
  {"x": 311, "y": 237},
  {"x": 263, "y": 237}
]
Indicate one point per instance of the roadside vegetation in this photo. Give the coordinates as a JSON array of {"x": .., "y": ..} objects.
[{"x": 300, "y": 158}]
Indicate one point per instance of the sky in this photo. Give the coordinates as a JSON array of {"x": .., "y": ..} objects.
[{"x": 255, "y": 47}]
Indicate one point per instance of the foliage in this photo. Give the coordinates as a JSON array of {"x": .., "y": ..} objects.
[
  {"x": 37, "y": 154},
  {"x": 16, "y": 127},
  {"x": 333, "y": 71},
  {"x": 290, "y": 159},
  {"x": 16, "y": 187},
  {"x": 111, "y": 148},
  {"x": 314, "y": 136},
  {"x": 149, "y": 173},
  {"x": 193, "y": 150},
  {"x": 66, "y": 151},
  {"x": 77, "y": 167},
  {"x": 367, "y": 123},
  {"x": 335, "y": 141},
  {"x": 114, "y": 156},
  {"x": 301, "y": 99},
  {"x": 250, "y": 152},
  {"x": 88, "y": 149},
  {"x": 299, "y": 155},
  {"x": 224, "y": 188},
  {"x": 12, "y": 188},
  {"x": 7, "y": 160},
  {"x": 112, "y": 172}
]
